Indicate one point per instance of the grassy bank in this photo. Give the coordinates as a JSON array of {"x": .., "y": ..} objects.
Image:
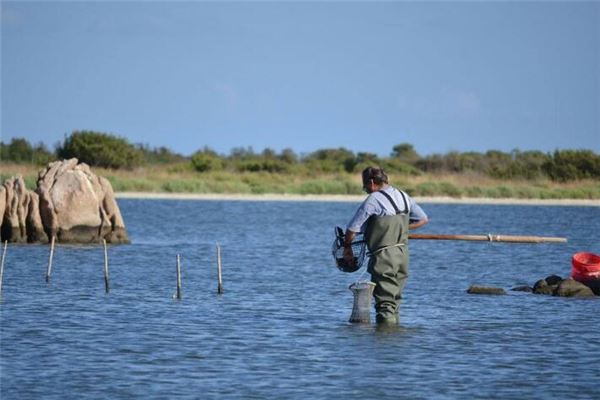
[{"x": 180, "y": 179}]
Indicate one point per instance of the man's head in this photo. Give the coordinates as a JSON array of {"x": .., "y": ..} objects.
[{"x": 373, "y": 179}]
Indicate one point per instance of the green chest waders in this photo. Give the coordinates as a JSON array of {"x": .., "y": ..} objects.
[{"x": 387, "y": 241}]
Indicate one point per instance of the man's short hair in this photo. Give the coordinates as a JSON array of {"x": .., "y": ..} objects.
[{"x": 377, "y": 174}]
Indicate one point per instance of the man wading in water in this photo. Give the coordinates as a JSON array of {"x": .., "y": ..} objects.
[{"x": 385, "y": 218}]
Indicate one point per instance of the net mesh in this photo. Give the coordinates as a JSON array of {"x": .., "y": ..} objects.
[
  {"x": 358, "y": 250},
  {"x": 363, "y": 292}
]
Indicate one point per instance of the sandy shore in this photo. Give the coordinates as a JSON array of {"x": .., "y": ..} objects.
[{"x": 349, "y": 198}]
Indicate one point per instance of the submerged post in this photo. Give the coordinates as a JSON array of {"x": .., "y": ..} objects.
[
  {"x": 178, "y": 295},
  {"x": 361, "y": 309},
  {"x": 219, "y": 274},
  {"x": 49, "y": 270},
  {"x": 106, "y": 283},
  {"x": 2, "y": 264}
]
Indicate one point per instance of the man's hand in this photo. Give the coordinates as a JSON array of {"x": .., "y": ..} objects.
[{"x": 349, "y": 256}]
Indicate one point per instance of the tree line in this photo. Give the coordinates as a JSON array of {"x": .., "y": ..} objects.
[{"x": 105, "y": 150}]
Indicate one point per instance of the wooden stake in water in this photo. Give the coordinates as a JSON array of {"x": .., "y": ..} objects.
[
  {"x": 49, "y": 270},
  {"x": 178, "y": 295},
  {"x": 106, "y": 284},
  {"x": 2, "y": 264},
  {"x": 219, "y": 274}
]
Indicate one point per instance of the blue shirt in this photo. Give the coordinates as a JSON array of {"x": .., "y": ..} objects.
[{"x": 377, "y": 204}]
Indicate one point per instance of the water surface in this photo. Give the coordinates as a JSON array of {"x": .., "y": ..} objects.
[{"x": 280, "y": 329}]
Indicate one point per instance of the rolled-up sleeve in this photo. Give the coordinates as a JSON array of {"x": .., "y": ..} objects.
[
  {"x": 361, "y": 216},
  {"x": 416, "y": 212}
]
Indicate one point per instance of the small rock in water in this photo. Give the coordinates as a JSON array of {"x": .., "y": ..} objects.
[
  {"x": 552, "y": 280},
  {"x": 542, "y": 287},
  {"x": 524, "y": 288},
  {"x": 571, "y": 288},
  {"x": 476, "y": 289}
]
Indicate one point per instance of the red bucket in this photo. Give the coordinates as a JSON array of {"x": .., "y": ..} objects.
[{"x": 586, "y": 267}]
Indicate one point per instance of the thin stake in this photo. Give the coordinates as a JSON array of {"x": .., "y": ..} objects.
[
  {"x": 49, "y": 270},
  {"x": 219, "y": 272},
  {"x": 106, "y": 284},
  {"x": 2, "y": 264},
  {"x": 178, "y": 278}
]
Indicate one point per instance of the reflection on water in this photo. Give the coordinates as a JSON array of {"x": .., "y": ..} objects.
[{"x": 280, "y": 329}]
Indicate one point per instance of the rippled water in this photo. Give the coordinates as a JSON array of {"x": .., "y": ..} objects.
[{"x": 280, "y": 329}]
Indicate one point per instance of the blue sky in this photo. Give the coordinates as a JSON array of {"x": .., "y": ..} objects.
[{"x": 443, "y": 76}]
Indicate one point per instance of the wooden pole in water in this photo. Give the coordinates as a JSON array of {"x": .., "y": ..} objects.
[
  {"x": 178, "y": 295},
  {"x": 49, "y": 270},
  {"x": 219, "y": 272},
  {"x": 489, "y": 238},
  {"x": 106, "y": 282},
  {"x": 2, "y": 264}
]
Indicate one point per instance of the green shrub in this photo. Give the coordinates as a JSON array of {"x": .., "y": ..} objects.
[
  {"x": 474, "y": 191},
  {"x": 569, "y": 165},
  {"x": 425, "y": 189},
  {"x": 448, "y": 189},
  {"x": 206, "y": 160},
  {"x": 20, "y": 151},
  {"x": 331, "y": 160},
  {"x": 133, "y": 184},
  {"x": 100, "y": 150},
  {"x": 393, "y": 165},
  {"x": 322, "y": 187},
  {"x": 160, "y": 155},
  {"x": 184, "y": 186},
  {"x": 405, "y": 153}
]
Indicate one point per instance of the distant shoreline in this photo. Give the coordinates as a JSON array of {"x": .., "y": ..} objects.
[{"x": 349, "y": 198}]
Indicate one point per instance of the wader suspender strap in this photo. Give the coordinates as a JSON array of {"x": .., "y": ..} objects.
[
  {"x": 394, "y": 204},
  {"x": 397, "y": 212}
]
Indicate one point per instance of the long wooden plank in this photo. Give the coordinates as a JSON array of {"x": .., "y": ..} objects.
[{"x": 489, "y": 238}]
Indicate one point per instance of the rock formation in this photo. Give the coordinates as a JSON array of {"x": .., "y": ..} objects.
[
  {"x": 556, "y": 286},
  {"x": 477, "y": 289},
  {"x": 552, "y": 285},
  {"x": 16, "y": 206},
  {"x": 70, "y": 203}
]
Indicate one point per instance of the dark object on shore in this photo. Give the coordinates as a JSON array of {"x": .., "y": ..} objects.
[{"x": 476, "y": 289}]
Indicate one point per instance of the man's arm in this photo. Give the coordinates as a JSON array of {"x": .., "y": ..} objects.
[
  {"x": 418, "y": 224},
  {"x": 417, "y": 215}
]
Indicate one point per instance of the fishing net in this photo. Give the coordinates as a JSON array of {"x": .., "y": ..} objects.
[{"x": 358, "y": 250}]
